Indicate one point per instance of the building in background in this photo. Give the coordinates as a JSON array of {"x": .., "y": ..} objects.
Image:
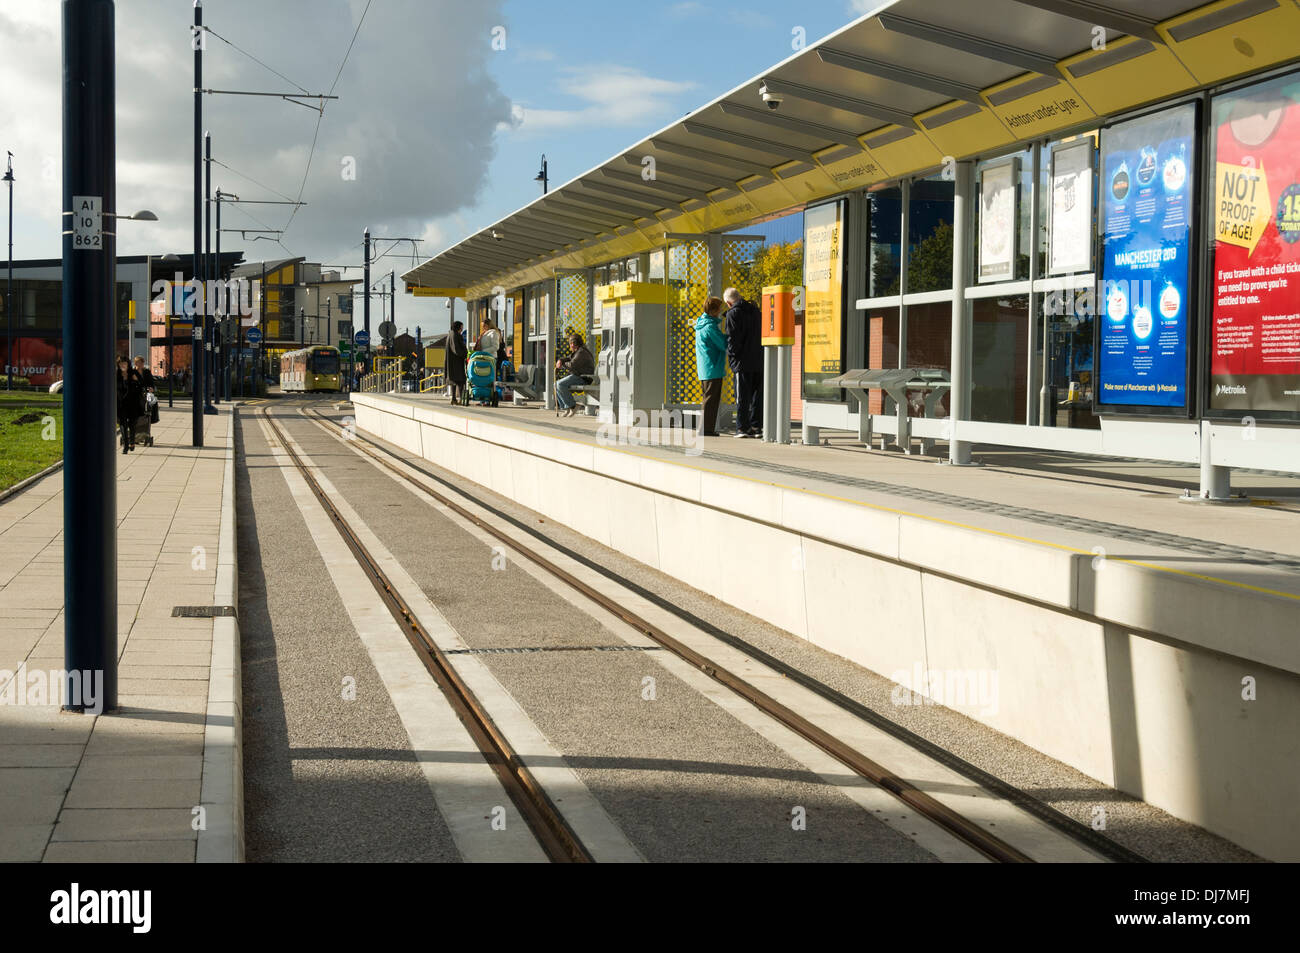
[
  {"x": 296, "y": 305},
  {"x": 38, "y": 314}
]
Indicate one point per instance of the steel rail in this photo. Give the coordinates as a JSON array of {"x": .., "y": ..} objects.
[{"x": 556, "y": 838}]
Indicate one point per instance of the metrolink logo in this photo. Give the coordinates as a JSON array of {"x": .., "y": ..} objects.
[
  {"x": 102, "y": 907},
  {"x": 653, "y": 428},
  {"x": 76, "y": 689},
  {"x": 226, "y": 297},
  {"x": 1238, "y": 389}
]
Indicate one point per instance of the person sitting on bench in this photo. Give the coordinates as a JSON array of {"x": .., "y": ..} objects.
[{"x": 580, "y": 365}]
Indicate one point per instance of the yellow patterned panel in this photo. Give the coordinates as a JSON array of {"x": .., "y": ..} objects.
[
  {"x": 686, "y": 276},
  {"x": 572, "y": 317}
]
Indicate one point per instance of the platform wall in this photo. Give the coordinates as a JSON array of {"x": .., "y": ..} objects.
[{"x": 1134, "y": 676}]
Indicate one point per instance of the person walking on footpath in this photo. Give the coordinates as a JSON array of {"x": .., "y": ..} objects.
[
  {"x": 580, "y": 365},
  {"x": 456, "y": 354},
  {"x": 745, "y": 356},
  {"x": 130, "y": 402},
  {"x": 710, "y": 364}
]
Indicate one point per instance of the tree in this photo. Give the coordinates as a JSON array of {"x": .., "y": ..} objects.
[{"x": 779, "y": 264}]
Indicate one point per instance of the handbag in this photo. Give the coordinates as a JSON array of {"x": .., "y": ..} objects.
[{"x": 151, "y": 401}]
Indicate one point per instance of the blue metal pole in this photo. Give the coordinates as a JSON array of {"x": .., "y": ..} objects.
[
  {"x": 196, "y": 361},
  {"x": 89, "y": 351}
]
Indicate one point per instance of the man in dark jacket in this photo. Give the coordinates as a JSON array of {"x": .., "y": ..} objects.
[
  {"x": 745, "y": 357},
  {"x": 580, "y": 366}
]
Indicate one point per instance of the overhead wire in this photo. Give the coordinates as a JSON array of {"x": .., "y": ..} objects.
[
  {"x": 321, "y": 115},
  {"x": 253, "y": 58},
  {"x": 253, "y": 180}
]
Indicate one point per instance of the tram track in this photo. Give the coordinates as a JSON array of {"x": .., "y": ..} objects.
[
  {"x": 553, "y": 833},
  {"x": 957, "y": 825}
]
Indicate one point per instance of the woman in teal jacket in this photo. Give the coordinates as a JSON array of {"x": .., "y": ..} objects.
[{"x": 710, "y": 363}]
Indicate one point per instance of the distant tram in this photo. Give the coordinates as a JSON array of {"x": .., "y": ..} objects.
[{"x": 311, "y": 368}]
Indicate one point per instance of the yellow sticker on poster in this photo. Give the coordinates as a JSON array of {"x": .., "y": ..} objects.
[{"x": 1242, "y": 204}]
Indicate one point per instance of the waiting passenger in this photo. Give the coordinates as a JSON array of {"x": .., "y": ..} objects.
[
  {"x": 489, "y": 339},
  {"x": 456, "y": 362},
  {"x": 710, "y": 364},
  {"x": 580, "y": 365},
  {"x": 745, "y": 355}
]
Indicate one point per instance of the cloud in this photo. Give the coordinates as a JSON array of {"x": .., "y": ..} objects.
[
  {"x": 681, "y": 10},
  {"x": 614, "y": 96},
  {"x": 416, "y": 118},
  {"x": 859, "y": 8}
]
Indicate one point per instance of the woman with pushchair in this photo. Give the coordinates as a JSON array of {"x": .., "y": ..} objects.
[{"x": 130, "y": 402}]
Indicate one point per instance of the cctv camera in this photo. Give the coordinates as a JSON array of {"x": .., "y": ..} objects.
[
  {"x": 497, "y": 235},
  {"x": 772, "y": 99}
]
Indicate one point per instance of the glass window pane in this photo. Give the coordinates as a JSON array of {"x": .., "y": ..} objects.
[
  {"x": 929, "y": 345},
  {"x": 882, "y": 349},
  {"x": 999, "y": 359},
  {"x": 929, "y": 235},
  {"x": 1069, "y": 317},
  {"x": 884, "y": 209}
]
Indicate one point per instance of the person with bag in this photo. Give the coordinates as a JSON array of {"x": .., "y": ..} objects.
[
  {"x": 710, "y": 364},
  {"x": 456, "y": 354},
  {"x": 130, "y": 402}
]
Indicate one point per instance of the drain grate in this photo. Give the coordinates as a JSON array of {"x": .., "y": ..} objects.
[{"x": 201, "y": 612}]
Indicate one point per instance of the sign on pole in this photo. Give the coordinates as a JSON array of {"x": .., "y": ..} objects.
[{"x": 87, "y": 223}]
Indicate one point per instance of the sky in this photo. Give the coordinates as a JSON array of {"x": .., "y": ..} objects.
[{"x": 445, "y": 108}]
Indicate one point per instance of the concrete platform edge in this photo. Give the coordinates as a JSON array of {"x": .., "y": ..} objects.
[{"x": 221, "y": 839}]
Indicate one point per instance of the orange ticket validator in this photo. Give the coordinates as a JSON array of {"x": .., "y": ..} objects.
[{"x": 778, "y": 314}]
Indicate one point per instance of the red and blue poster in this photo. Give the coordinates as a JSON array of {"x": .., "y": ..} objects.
[
  {"x": 1255, "y": 327},
  {"x": 1148, "y": 176}
]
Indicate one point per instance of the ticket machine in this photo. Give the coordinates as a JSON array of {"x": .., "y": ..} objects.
[
  {"x": 605, "y": 324},
  {"x": 641, "y": 361}
]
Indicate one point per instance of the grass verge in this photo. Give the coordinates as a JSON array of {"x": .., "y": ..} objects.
[{"x": 31, "y": 439}]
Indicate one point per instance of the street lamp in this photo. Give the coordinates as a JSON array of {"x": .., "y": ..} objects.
[
  {"x": 541, "y": 176},
  {"x": 144, "y": 215},
  {"x": 9, "y": 286}
]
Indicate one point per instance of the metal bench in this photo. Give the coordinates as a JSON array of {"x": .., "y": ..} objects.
[{"x": 934, "y": 382}]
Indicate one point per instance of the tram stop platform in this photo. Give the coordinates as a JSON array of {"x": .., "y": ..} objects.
[
  {"x": 160, "y": 779},
  {"x": 1151, "y": 643}
]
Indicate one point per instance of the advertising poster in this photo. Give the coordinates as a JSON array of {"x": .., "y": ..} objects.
[
  {"x": 1255, "y": 325},
  {"x": 998, "y": 223},
  {"x": 1147, "y": 179},
  {"x": 1070, "y": 242},
  {"x": 823, "y": 268}
]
